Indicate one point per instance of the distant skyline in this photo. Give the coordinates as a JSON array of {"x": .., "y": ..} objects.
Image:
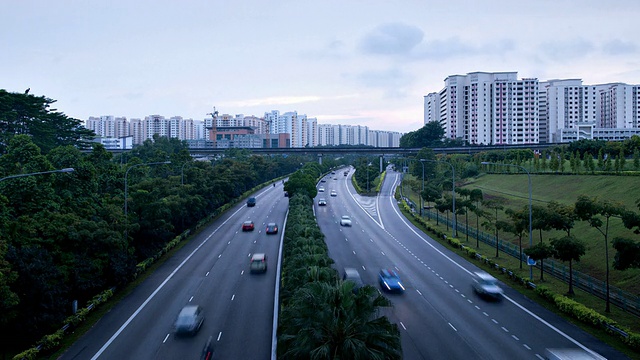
[{"x": 342, "y": 62}]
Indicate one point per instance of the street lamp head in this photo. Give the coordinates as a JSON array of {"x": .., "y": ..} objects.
[
  {"x": 66, "y": 170},
  {"x": 485, "y": 163}
]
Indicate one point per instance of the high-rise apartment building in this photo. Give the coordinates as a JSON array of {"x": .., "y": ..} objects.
[{"x": 486, "y": 108}]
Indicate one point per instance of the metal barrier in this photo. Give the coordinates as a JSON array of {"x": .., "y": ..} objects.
[{"x": 618, "y": 297}]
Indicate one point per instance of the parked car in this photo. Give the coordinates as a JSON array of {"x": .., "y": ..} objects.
[
  {"x": 390, "y": 281},
  {"x": 272, "y": 228},
  {"x": 251, "y": 202},
  {"x": 189, "y": 320},
  {"x": 248, "y": 225},
  {"x": 486, "y": 285},
  {"x": 345, "y": 220},
  {"x": 322, "y": 202},
  {"x": 351, "y": 274},
  {"x": 258, "y": 263},
  {"x": 334, "y": 193}
]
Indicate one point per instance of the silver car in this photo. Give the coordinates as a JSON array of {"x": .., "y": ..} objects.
[
  {"x": 486, "y": 285},
  {"x": 345, "y": 220},
  {"x": 189, "y": 320}
]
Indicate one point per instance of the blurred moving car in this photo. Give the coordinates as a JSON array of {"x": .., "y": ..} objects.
[
  {"x": 272, "y": 228},
  {"x": 258, "y": 263},
  {"x": 345, "y": 220},
  {"x": 207, "y": 351},
  {"x": 334, "y": 193},
  {"x": 251, "y": 202},
  {"x": 189, "y": 320},
  {"x": 390, "y": 281},
  {"x": 322, "y": 202},
  {"x": 486, "y": 285},
  {"x": 248, "y": 226},
  {"x": 351, "y": 274}
]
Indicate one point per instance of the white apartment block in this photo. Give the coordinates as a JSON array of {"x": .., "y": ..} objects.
[
  {"x": 312, "y": 132},
  {"x": 431, "y": 107},
  {"x": 497, "y": 108},
  {"x": 325, "y": 135},
  {"x": 303, "y": 131},
  {"x": 486, "y": 108}
]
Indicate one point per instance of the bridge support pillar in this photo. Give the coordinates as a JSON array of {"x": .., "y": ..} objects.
[
  {"x": 320, "y": 159},
  {"x": 381, "y": 163}
]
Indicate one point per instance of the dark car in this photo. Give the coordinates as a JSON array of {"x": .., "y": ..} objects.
[
  {"x": 390, "y": 281},
  {"x": 272, "y": 228},
  {"x": 286, "y": 194},
  {"x": 351, "y": 274},
  {"x": 251, "y": 202},
  {"x": 189, "y": 320},
  {"x": 248, "y": 225},
  {"x": 258, "y": 263}
]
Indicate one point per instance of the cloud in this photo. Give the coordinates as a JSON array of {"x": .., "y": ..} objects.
[
  {"x": 566, "y": 50},
  {"x": 397, "y": 39},
  {"x": 391, "y": 39},
  {"x": 284, "y": 100},
  {"x": 619, "y": 47},
  {"x": 393, "y": 77}
]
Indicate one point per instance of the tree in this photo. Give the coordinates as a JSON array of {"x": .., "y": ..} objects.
[
  {"x": 627, "y": 255},
  {"x": 476, "y": 196},
  {"x": 492, "y": 222},
  {"x": 588, "y": 209},
  {"x": 31, "y": 115},
  {"x": 430, "y": 135},
  {"x": 636, "y": 159},
  {"x": 518, "y": 225},
  {"x": 330, "y": 321},
  {"x": 539, "y": 252},
  {"x": 569, "y": 249},
  {"x": 301, "y": 182}
]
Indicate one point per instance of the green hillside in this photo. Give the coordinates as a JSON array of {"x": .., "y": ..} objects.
[{"x": 566, "y": 189}]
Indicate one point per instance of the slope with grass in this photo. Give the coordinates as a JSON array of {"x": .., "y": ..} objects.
[{"x": 565, "y": 189}]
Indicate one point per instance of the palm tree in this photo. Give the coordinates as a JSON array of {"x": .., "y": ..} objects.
[{"x": 330, "y": 321}]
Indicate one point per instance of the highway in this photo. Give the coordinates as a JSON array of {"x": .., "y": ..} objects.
[
  {"x": 212, "y": 270},
  {"x": 439, "y": 315}
]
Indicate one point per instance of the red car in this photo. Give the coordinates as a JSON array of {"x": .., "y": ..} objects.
[{"x": 248, "y": 226}]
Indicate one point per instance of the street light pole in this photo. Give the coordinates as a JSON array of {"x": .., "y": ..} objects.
[
  {"x": 530, "y": 226},
  {"x": 421, "y": 200},
  {"x": 65, "y": 170},
  {"x": 126, "y": 193}
]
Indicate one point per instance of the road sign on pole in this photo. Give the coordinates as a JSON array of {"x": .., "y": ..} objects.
[{"x": 531, "y": 262}]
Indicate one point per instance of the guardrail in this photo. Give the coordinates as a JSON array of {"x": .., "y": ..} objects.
[{"x": 618, "y": 297}]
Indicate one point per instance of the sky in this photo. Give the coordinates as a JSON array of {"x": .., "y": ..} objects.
[{"x": 360, "y": 62}]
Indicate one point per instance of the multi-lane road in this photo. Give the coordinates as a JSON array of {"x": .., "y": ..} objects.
[
  {"x": 211, "y": 271},
  {"x": 439, "y": 315}
]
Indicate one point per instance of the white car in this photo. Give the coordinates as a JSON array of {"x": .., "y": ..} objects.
[
  {"x": 322, "y": 202},
  {"x": 321, "y": 189},
  {"x": 486, "y": 285},
  {"x": 345, "y": 220},
  {"x": 334, "y": 193}
]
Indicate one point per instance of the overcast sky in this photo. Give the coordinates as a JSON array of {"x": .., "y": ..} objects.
[{"x": 365, "y": 62}]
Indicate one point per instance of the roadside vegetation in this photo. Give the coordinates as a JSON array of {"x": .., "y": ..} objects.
[{"x": 322, "y": 317}]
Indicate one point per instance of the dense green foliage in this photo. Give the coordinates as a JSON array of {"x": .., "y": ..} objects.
[
  {"x": 32, "y": 115},
  {"x": 64, "y": 236},
  {"x": 322, "y": 317}
]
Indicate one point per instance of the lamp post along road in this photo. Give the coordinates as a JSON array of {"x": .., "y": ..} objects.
[
  {"x": 126, "y": 193},
  {"x": 65, "y": 170},
  {"x": 530, "y": 226}
]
